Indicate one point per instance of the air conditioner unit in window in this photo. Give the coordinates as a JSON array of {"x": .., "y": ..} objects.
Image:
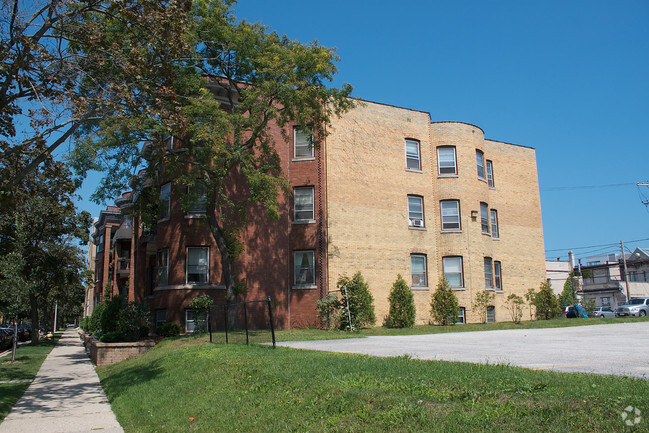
[{"x": 418, "y": 223}]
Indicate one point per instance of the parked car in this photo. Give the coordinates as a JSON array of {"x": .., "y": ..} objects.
[
  {"x": 634, "y": 307},
  {"x": 6, "y": 338},
  {"x": 603, "y": 312},
  {"x": 24, "y": 332}
]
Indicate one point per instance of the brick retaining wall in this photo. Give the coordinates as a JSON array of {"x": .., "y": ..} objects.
[{"x": 110, "y": 353}]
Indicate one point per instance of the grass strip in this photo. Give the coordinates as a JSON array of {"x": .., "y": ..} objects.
[
  {"x": 28, "y": 361},
  {"x": 189, "y": 385}
]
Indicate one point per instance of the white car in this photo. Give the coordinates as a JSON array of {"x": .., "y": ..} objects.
[{"x": 603, "y": 312}]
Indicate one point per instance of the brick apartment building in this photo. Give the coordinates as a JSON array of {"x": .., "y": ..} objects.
[{"x": 386, "y": 193}]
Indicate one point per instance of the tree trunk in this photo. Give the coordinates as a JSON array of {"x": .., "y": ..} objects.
[
  {"x": 226, "y": 267},
  {"x": 33, "y": 305}
]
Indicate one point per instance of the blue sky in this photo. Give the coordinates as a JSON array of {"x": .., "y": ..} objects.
[{"x": 568, "y": 78}]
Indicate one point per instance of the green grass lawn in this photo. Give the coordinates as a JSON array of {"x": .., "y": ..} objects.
[
  {"x": 28, "y": 361},
  {"x": 188, "y": 384}
]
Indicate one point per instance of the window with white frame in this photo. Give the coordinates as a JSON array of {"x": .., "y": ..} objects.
[
  {"x": 197, "y": 271},
  {"x": 303, "y": 209},
  {"x": 452, "y": 268},
  {"x": 498, "y": 277},
  {"x": 165, "y": 200},
  {"x": 490, "y": 174},
  {"x": 160, "y": 317},
  {"x": 303, "y": 144},
  {"x": 199, "y": 199},
  {"x": 461, "y": 317},
  {"x": 303, "y": 268},
  {"x": 450, "y": 210},
  {"x": 190, "y": 322},
  {"x": 446, "y": 164},
  {"x": 163, "y": 268},
  {"x": 484, "y": 217},
  {"x": 488, "y": 273},
  {"x": 413, "y": 158},
  {"x": 418, "y": 270},
  {"x": 479, "y": 156},
  {"x": 491, "y": 314},
  {"x": 495, "y": 233},
  {"x": 606, "y": 301},
  {"x": 415, "y": 211}
]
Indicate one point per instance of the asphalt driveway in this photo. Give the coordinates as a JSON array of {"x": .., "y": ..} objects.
[{"x": 614, "y": 349}]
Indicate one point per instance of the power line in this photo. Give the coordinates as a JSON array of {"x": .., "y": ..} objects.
[
  {"x": 567, "y": 188},
  {"x": 595, "y": 246}
]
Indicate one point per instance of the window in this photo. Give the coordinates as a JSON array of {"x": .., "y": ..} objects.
[
  {"x": 190, "y": 323},
  {"x": 484, "y": 217},
  {"x": 488, "y": 274},
  {"x": 303, "y": 204},
  {"x": 199, "y": 199},
  {"x": 303, "y": 268},
  {"x": 494, "y": 224},
  {"x": 606, "y": 300},
  {"x": 453, "y": 271},
  {"x": 415, "y": 211},
  {"x": 303, "y": 144},
  {"x": 450, "y": 210},
  {"x": 197, "y": 265},
  {"x": 498, "y": 281},
  {"x": 446, "y": 161},
  {"x": 163, "y": 268},
  {"x": 491, "y": 314},
  {"x": 165, "y": 201},
  {"x": 418, "y": 270},
  {"x": 413, "y": 160},
  {"x": 160, "y": 317},
  {"x": 490, "y": 174},
  {"x": 479, "y": 156},
  {"x": 461, "y": 317}
]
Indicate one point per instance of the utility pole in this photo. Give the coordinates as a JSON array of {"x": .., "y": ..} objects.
[{"x": 626, "y": 274}]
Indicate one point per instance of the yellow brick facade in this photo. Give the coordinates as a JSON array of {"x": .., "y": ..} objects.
[{"x": 367, "y": 207}]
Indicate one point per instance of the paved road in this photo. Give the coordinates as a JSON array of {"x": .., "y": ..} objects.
[
  {"x": 616, "y": 349},
  {"x": 65, "y": 396}
]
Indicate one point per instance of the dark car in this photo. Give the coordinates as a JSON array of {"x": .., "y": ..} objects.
[
  {"x": 24, "y": 332},
  {"x": 6, "y": 338}
]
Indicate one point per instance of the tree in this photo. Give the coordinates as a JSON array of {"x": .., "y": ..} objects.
[
  {"x": 481, "y": 302},
  {"x": 38, "y": 223},
  {"x": 444, "y": 307},
  {"x": 238, "y": 81},
  {"x": 568, "y": 294},
  {"x": 546, "y": 303},
  {"x": 201, "y": 306},
  {"x": 68, "y": 62},
  {"x": 515, "y": 306},
  {"x": 402, "y": 305},
  {"x": 357, "y": 303},
  {"x": 529, "y": 297}
]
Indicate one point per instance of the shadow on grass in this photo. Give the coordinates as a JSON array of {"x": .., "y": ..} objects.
[{"x": 115, "y": 383}]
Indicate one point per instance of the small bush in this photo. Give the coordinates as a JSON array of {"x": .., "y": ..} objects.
[
  {"x": 94, "y": 324},
  {"x": 515, "y": 306},
  {"x": 133, "y": 321},
  {"x": 170, "y": 329},
  {"x": 85, "y": 323},
  {"x": 111, "y": 337},
  {"x": 546, "y": 303},
  {"x": 402, "y": 305},
  {"x": 482, "y": 301},
  {"x": 110, "y": 315},
  {"x": 444, "y": 307},
  {"x": 328, "y": 310},
  {"x": 355, "y": 293},
  {"x": 201, "y": 306}
]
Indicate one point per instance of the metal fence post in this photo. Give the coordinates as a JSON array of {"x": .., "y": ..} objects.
[
  {"x": 225, "y": 318},
  {"x": 272, "y": 326},
  {"x": 245, "y": 319}
]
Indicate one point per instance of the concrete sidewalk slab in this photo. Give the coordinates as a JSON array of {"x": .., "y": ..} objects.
[
  {"x": 65, "y": 396},
  {"x": 613, "y": 349}
]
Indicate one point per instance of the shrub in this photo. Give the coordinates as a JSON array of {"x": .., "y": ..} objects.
[
  {"x": 328, "y": 310},
  {"x": 111, "y": 337},
  {"x": 402, "y": 305},
  {"x": 568, "y": 294},
  {"x": 483, "y": 299},
  {"x": 85, "y": 323},
  {"x": 94, "y": 324},
  {"x": 515, "y": 306},
  {"x": 444, "y": 307},
  {"x": 201, "y": 306},
  {"x": 546, "y": 303},
  {"x": 110, "y": 315},
  {"x": 360, "y": 301},
  {"x": 170, "y": 329},
  {"x": 133, "y": 321}
]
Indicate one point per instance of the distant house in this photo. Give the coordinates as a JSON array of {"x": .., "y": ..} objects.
[
  {"x": 557, "y": 272},
  {"x": 605, "y": 281}
]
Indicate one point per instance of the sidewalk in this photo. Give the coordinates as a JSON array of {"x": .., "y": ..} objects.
[{"x": 65, "y": 396}]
